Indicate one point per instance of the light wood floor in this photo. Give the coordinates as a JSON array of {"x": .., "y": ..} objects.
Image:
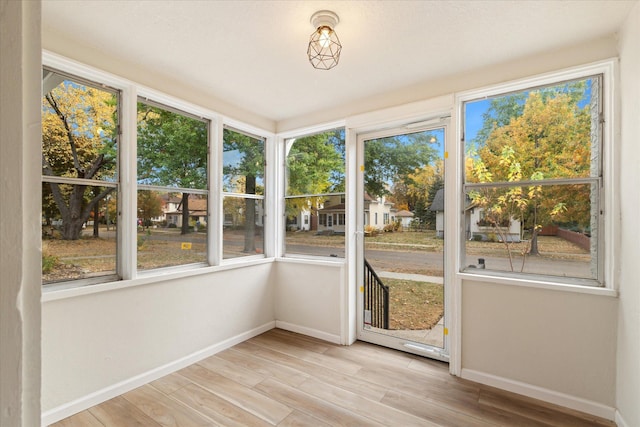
[{"x": 285, "y": 379}]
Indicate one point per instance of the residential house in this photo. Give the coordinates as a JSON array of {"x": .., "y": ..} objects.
[
  {"x": 378, "y": 212},
  {"x": 405, "y": 218},
  {"x": 197, "y": 211},
  {"x": 476, "y": 225}
]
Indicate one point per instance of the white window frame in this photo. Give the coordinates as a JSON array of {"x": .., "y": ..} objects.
[
  {"x": 92, "y": 182},
  {"x": 257, "y": 134},
  {"x": 150, "y": 101},
  {"x": 130, "y": 91},
  {"x": 607, "y": 69},
  {"x": 282, "y": 140}
]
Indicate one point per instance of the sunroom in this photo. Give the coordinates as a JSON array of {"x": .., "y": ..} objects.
[{"x": 201, "y": 182}]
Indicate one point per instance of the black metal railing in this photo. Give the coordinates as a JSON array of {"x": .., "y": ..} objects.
[{"x": 376, "y": 299}]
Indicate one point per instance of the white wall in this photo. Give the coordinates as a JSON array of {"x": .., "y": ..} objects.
[
  {"x": 76, "y": 49},
  {"x": 555, "y": 340},
  {"x": 556, "y": 345},
  {"x": 517, "y": 68},
  {"x": 108, "y": 342},
  {"x": 308, "y": 298},
  {"x": 628, "y": 358},
  {"x": 20, "y": 78}
]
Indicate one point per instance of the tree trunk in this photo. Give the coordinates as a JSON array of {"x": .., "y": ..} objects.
[
  {"x": 72, "y": 218},
  {"x": 185, "y": 214},
  {"x": 533, "y": 250},
  {"x": 96, "y": 219},
  {"x": 250, "y": 217}
]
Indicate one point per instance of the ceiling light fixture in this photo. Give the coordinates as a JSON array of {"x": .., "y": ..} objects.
[{"x": 324, "y": 46}]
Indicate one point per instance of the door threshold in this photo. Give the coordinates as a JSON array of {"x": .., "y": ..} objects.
[{"x": 436, "y": 353}]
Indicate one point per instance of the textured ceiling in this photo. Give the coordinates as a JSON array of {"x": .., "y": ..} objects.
[{"x": 252, "y": 54}]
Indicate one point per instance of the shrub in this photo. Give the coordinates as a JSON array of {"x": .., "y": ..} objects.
[
  {"x": 370, "y": 230},
  {"x": 48, "y": 262}
]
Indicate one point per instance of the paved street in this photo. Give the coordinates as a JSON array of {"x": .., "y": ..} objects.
[{"x": 416, "y": 262}]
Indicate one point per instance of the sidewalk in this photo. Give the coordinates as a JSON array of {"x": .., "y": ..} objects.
[{"x": 406, "y": 276}]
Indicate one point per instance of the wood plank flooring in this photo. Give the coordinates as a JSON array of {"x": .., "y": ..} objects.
[{"x": 284, "y": 379}]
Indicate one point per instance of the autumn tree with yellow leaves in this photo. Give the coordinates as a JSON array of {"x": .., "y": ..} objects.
[
  {"x": 78, "y": 141},
  {"x": 541, "y": 135}
]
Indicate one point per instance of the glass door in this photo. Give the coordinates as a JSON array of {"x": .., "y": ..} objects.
[{"x": 401, "y": 298}]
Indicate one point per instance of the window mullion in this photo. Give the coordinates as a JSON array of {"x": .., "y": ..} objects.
[
  {"x": 128, "y": 188},
  {"x": 214, "y": 237}
]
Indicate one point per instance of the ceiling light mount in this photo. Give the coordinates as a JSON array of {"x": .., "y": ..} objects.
[{"x": 324, "y": 46}]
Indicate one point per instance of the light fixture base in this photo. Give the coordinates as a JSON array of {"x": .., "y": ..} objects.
[{"x": 324, "y": 18}]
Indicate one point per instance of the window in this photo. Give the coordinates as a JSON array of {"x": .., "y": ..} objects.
[
  {"x": 315, "y": 189},
  {"x": 172, "y": 214},
  {"x": 533, "y": 182},
  {"x": 243, "y": 192},
  {"x": 79, "y": 180}
]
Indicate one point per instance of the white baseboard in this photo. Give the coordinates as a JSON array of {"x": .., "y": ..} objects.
[
  {"x": 540, "y": 393},
  {"x": 321, "y": 335},
  {"x": 95, "y": 398},
  {"x": 620, "y": 422}
]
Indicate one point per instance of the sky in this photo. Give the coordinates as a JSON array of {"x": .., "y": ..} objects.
[{"x": 473, "y": 117}]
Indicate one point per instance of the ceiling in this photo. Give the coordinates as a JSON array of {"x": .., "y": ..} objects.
[{"x": 252, "y": 54}]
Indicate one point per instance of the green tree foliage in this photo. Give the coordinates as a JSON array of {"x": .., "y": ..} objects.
[
  {"x": 78, "y": 141},
  {"x": 548, "y": 137},
  {"x": 315, "y": 165},
  {"x": 436, "y": 184},
  {"x": 422, "y": 187},
  {"x": 243, "y": 169},
  {"x": 172, "y": 152},
  {"x": 421, "y": 212},
  {"x": 394, "y": 159}
]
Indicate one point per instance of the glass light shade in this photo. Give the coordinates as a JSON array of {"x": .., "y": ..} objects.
[{"x": 324, "y": 48}]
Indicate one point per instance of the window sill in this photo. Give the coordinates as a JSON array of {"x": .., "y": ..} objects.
[
  {"x": 308, "y": 259},
  {"x": 538, "y": 284},
  {"x": 146, "y": 278}
]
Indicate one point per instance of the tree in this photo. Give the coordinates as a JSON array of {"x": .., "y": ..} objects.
[
  {"x": 436, "y": 184},
  {"x": 78, "y": 141},
  {"x": 421, "y": 211},
  {"x": 246, "y": 166},
  {"x": 172, "y": 152},
  {"x": 422, "y": 188},
  {"x": 393, "y": 159},
  {"x": 315, "y": 165},
  {"x": 149, "y": 206},
  {"x": 549, "y": 139}
]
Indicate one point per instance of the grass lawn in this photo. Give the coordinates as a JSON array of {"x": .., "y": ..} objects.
[
  {"x": 549, "y": 247},
  {"x": 414, "y": 305},
  {"x": 88, "y": 255}
]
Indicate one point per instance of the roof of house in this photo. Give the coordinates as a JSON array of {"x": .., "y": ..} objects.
[
  {"x": 404, "y": 213},
  {"x": 338, "y": 207},
  {"x": 197, "y": 204},
  {"x": 438, "y": 201}
]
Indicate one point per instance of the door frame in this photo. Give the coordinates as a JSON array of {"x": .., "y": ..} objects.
[{"x": 444, "y": 353}]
